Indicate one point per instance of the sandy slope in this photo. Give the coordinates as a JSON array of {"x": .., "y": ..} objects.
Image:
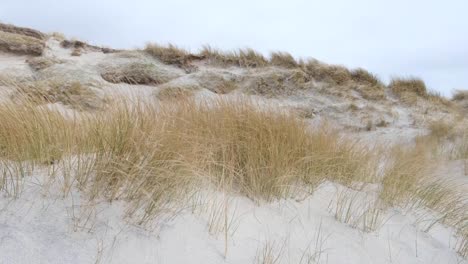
[
  {"x": 48, "y": 229},
  {"x": 43, "y": 227}
]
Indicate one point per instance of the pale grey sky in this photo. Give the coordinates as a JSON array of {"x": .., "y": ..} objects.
[{"x": 424, "y": 38}]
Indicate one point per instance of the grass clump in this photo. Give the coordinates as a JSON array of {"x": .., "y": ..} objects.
[
  {"x": 170, "y": 54},
  {"x": 440, "y": 129},
  {"x": 460, "y": 95},
  {"x": 248, "y": 58},
  {"x": 41, "y": 63},
  {"x": 371, "y": 92},
  {"x": 21, "y": 44},
  {"x": 277, "y": 83},
  {"x": 364, "y": 77},
  {"x": 33, "y": 133},
  {"x": 336, "y": 74},
  {"x": 147, "y": 154},
  {"x": 402, "y": 86},
  {"x": 135, "y": 73},
  {"x": 176, "y": 92},
  {"x": 22, "y": 31},
  {"x": 74, "y": 94},
  {"x": 283, "y": 59},
  {"x": 407, "y": 169}
]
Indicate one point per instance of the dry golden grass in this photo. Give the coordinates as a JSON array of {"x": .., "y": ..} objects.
[
  {"x": 170, "y": 54},
  {"x": 283, "y": 59},
  {"x": 22, "y": 31},
  {"x": 437, "y": 99},
  {"x": 146, "y": 153},
  {"x": 362, "y": 76},
  {"x": 277, "y": 83},
  {"x": 410, "y": 89},
  {"x": 153, "y": 156},
  {"x": 460, "y": 95},
  {"x": 33, "y": 133},
  {"x": 21, "y": 44},
  {"x": 135, "y": 73},
  {"x": 440, "y": 129},
  {"x": 74, "y": 94},
  {"x": 241, "y": 58},
  {"x": 176, "y": 92},
  {"x": 408, "y": 181},
  {"x": 401, "y": 86},
  {"x": 336, "y": 74},
  {"x": 371, "y": 92},
  {"x": 407, "y": 169}
]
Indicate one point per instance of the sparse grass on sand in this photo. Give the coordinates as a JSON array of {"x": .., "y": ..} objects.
[
  {"x": 136, "y": 73},
  {"x": 218, "y": 83},
  {"x": 277, "y": 82},
  {"x": 40, "y": 63},
  {"x": 75, "y": 94},
  {"x": 21, "y": 44}
]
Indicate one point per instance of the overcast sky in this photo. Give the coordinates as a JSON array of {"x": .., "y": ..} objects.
[{"x": 424, "y": 38}]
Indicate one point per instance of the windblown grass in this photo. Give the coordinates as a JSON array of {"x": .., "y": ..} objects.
[
  {"x": 74, "y": 94},
  {"x": 440, "y": 129},
  {"x": 146, "y": 151},
  {"x": 415, "y": 86},
  {"x": 330, "y": 73},
  {"x": 362, "y": 76},
  {"x": 154, "y": 156},
  {"x": 21, "y": 44},
  {"x": 241, "y": 58},
  {"x": 22, "y": 31},
  {"x": 277, "y": 82},
  {"x": 170, "y": 54},
  {"x": 136, "y": 73},
  {"x": 176, "y": 92},
  {"x": 34, "y": 133},
  {"x": 407, "y": 168},
  {"x": 283, "y": 59}
]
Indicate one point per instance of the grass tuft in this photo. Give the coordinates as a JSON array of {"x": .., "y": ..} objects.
[
  {"x": 336, "y": 74},
  {"x": 41, "y": 63},
  {"x": 21, "y": 44},
  {"x": 283, "y": 59},
  {"x": 135, "y": 73},
  {"x": 169, "y": 54},
  {"x": 248, "y": 58},
  {"x": 364, "y": 77},
  {"x": 401, "y": 86}
]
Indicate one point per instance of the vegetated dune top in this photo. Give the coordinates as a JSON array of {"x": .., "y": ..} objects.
[
  {"x": 350, "y": 98},
  {"x": 138, "y": 142}
]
